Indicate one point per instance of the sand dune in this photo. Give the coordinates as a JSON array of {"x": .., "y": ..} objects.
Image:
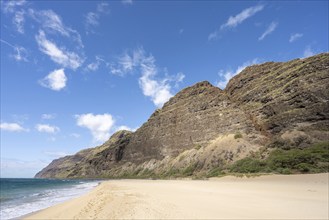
[{"x": 266, "y": 197}]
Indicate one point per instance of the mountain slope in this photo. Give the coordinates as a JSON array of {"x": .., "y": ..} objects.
[{"x": 203, "y": 128}]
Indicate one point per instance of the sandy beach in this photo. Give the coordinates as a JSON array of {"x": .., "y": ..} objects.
[{"x": 265, "y": 197}]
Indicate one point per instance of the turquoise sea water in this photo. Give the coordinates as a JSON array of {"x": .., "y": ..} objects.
[{"x": 22, "y": 196}]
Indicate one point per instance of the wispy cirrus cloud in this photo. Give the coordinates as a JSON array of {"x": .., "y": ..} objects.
[
  {"x": 234, "y": 21},
  {"x": 127, "y": 62},
  {"x": 103, "y": 7},
  {"x": 52, "y": 23},
  {"x": 19, "y": 20},
  {"x": 46, "y": 128},
  {"x": 59, "y": 55},
  {"x": 308, "y": 52},
  {"x": 17, "y": 8},
  {"x": 159, "y": 90},
  {"x": 127, "y": 2},
  {"x": 20, "y": 52},
  {"x": 75, "y": 135},
  {"x": 48, "y": 116},
  {"x": 92, "y": 18},
  {"x": 12, "y": 127},
  {"x": 294, "y": 37},
  {"x": 96, "y": 64},
  {"x": 226, "y": 75},
  {"x": 11, "y": 6},
  {"x": 56, "y": 80},
  {"x": 268, "y": 30}
]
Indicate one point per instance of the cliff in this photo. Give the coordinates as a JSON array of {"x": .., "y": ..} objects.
[{"x": 203, "y": 128}]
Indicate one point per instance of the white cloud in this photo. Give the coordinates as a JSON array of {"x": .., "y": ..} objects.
[
  {"x": 269, "y": 30},
  {"x": 127, "y": 2},
  {"x": 180, "y": 77},
  {"x": 234, "y": 21},
  {"x": 213, "y": 35},
  {"x": 47, "y": 128},
  {"x": 10, "y": 6},
  {"x": 99, "y": 125},
  {"x": 128, "y": 62},
  {"x": 55, "y": 80},
  {"x": 19, "y": 20},
  {"x": 75, "y": 135},
  {"x": 14, "y": 127},
  {"x": 52, "y": 23},
  {"x": 103, "y": 7},
  {"x": 228, "y": 74},
  {"x": 124, "y": 127},
  {"x": 308, "y": 52},
  {"x": 159, "y": 90},
  {"x": 59, "y": 56},
  {"x": 95, "y": 65},
  {"x": 20, "y": 52},
  {"x": 294, "y": 37},
  {"x": 48, "y": 116},
  {"x": 92, "y": 17}
]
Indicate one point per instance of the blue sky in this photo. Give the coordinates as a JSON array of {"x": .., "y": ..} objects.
[{"x": 74, "y": 72}]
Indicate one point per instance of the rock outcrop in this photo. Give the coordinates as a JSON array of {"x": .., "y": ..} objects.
[{"x": 203, "y": 127}]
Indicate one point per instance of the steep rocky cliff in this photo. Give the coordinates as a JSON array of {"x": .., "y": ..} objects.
[{"x": 203, "y": 128}]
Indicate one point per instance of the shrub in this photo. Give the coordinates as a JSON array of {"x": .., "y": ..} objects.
[
  {"x": 248, "y": 165},
  {"x": 313, "y": 159},
  {"x": 188, "y": 171},
  {"x": 304, "y": 167},
  {"x": 215, "y": 172},
  {"x": 302, "y": 160},
  {"x": 197, "y": 147},
  {"x": 280, "y": 143},
  {"x": 237, "y": 135}
]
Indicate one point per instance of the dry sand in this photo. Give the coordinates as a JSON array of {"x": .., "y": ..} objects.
[{"x": 265, "y": 197}]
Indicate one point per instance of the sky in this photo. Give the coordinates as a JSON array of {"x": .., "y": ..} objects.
[{"x": 74, "y": 72}]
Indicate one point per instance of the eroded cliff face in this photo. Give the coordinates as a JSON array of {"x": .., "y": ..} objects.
[
  {"x": 287, "y": 100},
  {"x": 194, "y": 117},
  {"x": 203, "y": 127}
]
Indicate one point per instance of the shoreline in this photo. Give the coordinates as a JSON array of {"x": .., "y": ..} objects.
[
  {"x": 36, "y": 212},
  {"x": 302, "y": 196}
]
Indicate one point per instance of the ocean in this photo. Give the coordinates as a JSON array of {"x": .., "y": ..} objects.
[{"x": 22, "y": 196}]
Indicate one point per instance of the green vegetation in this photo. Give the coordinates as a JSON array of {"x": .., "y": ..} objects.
[
  {"x": 197, "y": 147},
  {"x": 237, "y": 135},
  {"x": 188, "y": 171},
  {"x": 281, "y": 159},
  {"x": 314, "y": 159},
  {"x": 248, "y": 165},
  {"x": 215, "y": 172}
]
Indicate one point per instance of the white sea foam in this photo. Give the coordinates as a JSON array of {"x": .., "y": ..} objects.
[{"x": 40, "y": 200}]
